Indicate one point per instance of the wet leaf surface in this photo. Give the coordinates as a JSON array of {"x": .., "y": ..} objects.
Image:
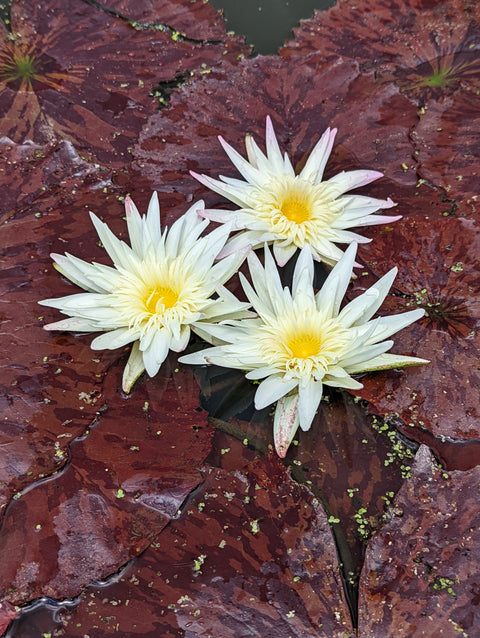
[
  {"x": 93, "y": 480},
  {"x": 448, "y": 148},
  {"x": 426, "y": 48},
  {"x": 251, "y": 554},
  {"x": 191, "y": 21},
  {"x": 52, "y": 383},
  {"x": 438, "y": 271},
  {"x": 58, "y": 78},
  {"x": 28, "y": 171},
  {"x": 421, "y": 572},
  {"x": 353, "y": 463},
  {"x": 302, "y": 105},
  {"x": 119, "y": 485}
]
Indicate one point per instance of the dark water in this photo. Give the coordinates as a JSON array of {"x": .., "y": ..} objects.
[{"x": 267, "y": 23}]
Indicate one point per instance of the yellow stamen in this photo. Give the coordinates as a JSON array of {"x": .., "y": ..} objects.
[
  {"x": 304, "y": 345},
  {"x": 166, "y": 296},
  {"x": 295, "y": 208}
]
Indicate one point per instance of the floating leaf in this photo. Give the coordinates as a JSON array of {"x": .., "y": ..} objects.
[
  {"x": 448, "y": 150},
  {"x": 51, "y": 383},
  {"x": 60, "y": 78},
  {"x": 28, "y": 171},
  {"x": 302, "y": 105},
  {"x": 439, "y": 271},
  {"x": 120, "y": 485},
  {"x": 421, "y": 575},
  {"x": 426, "y": 48},
  {"x": 251, "y": 554}
]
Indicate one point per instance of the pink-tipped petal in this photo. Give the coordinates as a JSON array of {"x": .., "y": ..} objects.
[
  {"x": 130, "y": 207},
  {"x": 285, "y": 423}
]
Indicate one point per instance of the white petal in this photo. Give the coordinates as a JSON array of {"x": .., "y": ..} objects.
[
  {"x": 156, "y": 353},
  {"x": 271, "y": 389},
  {"x": 309, "y": 397},
  {"x": 347, "y": 237},
  {"x": 241, "y": 241},
  {"x": 261, "y": 373},
  {"x": 225, "y": 268},
  {"x": 81, "y": 272},
  {"x": 255, "y": 155},
  {"x": 303, "y": 274},
  {"x": 315, "y": 165},
  {"x": 363, "y": 354},
  {"x": 283, "y": 252},
  {"x": 287, "y": 166},
  {"x": 345, "y": 181},
  {"x": 249, "y": 172},
  {"x": 273, "y": 151},
  {"x": 363, "y": 307},
  {"x": 118, "y": 251},
  {"x": 135, "y": 226},
  {"x": 185, "y": 231},
  {"x": 235, "y": 195},
  {"x": 74, "y": 324},
  {"x": 389, "y": 325},
  {"x": 133, "y": 369},
  {"x": 179, "y": 343},
  {"x": 374, "y": 220},
  {"x": 152, "y": 222},
  {"x": 331, "y": 294},
  {"x": 221, "y": 216},
  {"x": 285, "y": 423},
  {"x": 113, "y": 339},
  {"x": 386, "y": 362},
  {"x": 342, "y": 382},
  {"x": 196, "y": 358}
]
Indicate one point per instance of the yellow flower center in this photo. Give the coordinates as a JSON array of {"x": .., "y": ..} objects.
[
  {"x": 166, "y": 296},
  {"x": 295, "y": 208},
  {"x": 304, "y": 345}
]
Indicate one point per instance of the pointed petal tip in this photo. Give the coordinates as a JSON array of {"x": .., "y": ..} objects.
[
  {"x": 285, "y": 423},
  {"x": 130, "y": 207},
  {"x": 281, "y": 450}
]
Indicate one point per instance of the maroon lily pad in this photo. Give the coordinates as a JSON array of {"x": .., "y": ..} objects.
[
  {"x": 426, "y": 48},
  {"x": 421, "y": 574},
  {"x": 439, "y": 271},
  {"x": 251, "y": 554},
  {"x": 51, "y": 382},
  {"x": 28, "y": 171},
  {"x": 59, "y": 78},
  {"x": 352, "y": 462},
  {"x": 192, "y": 21},
  {"x": 122, "y": 483},
  {"x": 302, "y": 102},
  {"x": 448, "y": 150}
]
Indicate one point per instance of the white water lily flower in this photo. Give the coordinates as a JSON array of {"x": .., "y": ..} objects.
[
  {"x": 158, "y": 289},
  {"x": 291, "y": 210},
  {"x": 302, "y": 340}
]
